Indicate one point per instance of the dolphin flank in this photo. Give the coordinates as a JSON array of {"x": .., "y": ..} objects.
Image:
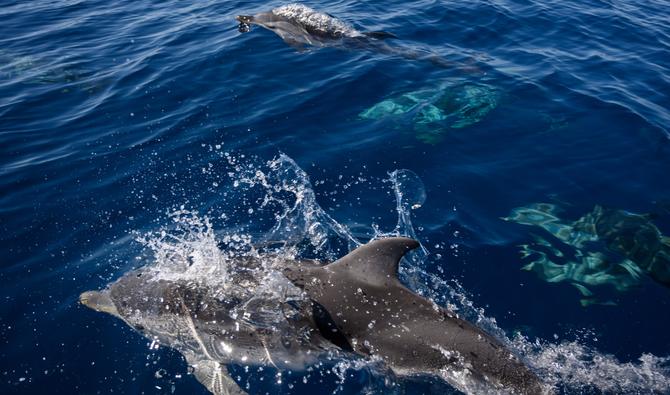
[{"x": 353, "y": 305}]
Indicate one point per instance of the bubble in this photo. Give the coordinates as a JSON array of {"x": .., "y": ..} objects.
[{"x": 409, "y": 189}]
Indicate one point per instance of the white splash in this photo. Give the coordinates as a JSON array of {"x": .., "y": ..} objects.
[
  {"x": 187, "y": 249},
  {"x": 577, "y": 367}
]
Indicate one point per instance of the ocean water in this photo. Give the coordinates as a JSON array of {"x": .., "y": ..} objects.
[{"x": 525, "y": 144}]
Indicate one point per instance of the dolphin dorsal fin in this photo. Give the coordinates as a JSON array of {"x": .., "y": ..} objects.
[{"x": 375, "y": 262}]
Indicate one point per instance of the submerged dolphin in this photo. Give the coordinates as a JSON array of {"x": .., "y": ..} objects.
[
  {"x": 356, "y": 304},
  {"x": 300, "y": 26},
  {"x": 432, "y": 112},
  {"x": 608, "y": 246}
]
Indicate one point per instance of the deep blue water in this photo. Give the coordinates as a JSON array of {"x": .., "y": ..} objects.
[{"x": 114, "y": 114}]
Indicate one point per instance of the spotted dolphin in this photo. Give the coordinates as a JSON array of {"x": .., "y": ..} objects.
[{"x": 353, "y": 305}]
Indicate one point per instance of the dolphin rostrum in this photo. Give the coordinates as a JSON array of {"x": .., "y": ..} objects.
[
  {"x": 353, "y": 305},
  {"x": 300, "y": 26}
]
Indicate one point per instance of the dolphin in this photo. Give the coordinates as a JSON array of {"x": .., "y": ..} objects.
[
  {"x": 207, "y": 327},
  {"x": 361, "y": 305},
  {"x": 609, "y": 246},
  {"x": 353, "y": 306},
  {"x": 300, "y": 26}
]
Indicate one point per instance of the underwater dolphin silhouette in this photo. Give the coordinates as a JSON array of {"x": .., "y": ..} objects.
[{"x": 355, "y": 304}]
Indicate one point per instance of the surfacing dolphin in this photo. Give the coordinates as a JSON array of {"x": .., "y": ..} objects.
[
  {"x": 300, "y": 26},
  {"x": 361, "y": 305},
  {"x": 356, "y": 304},
  {"x": 214, "y": 327}
]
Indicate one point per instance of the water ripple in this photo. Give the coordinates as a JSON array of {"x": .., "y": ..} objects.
[{"x": 110, "y": 112}]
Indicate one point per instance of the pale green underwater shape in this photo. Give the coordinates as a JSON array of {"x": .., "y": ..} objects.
[
  {"x": 29, "y": 69},
  {"x": 433, "y": 112},
  {"x": 610, "y": 248}
]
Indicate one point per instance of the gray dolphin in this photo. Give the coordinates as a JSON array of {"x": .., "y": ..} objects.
[
  {"x": 207, "y": 327},
  {"x": 300, "y": 26},
  {"x": 356, "y": 304},
  {"x": 360, "y": 304}
]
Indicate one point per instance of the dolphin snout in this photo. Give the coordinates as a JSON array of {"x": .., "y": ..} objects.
[
  {"x": 245, "y": 23},
  {"x": 86, "y": 297},
  {"x": 98, "y": 301}
]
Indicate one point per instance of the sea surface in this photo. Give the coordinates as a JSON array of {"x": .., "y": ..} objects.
[{"x": 524, "y": 143}]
